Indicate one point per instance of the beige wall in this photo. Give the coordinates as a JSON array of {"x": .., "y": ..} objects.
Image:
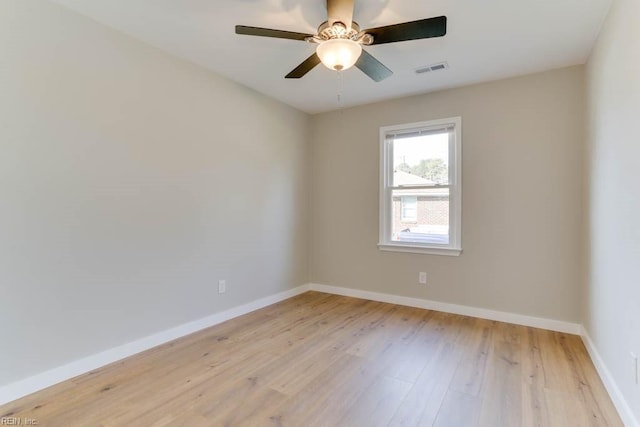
[
  {"x": 522, "y": 158},
  {"x": 612, "y": 293},
  {"x": 131, "y": 182}
]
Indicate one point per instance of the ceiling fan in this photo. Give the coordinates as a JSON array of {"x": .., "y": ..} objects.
[{"x": 340, "y": 40}]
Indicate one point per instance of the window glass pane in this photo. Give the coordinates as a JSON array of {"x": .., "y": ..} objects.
[
  {"x": 431, "y": 223},
  {"x": 421, "y": 160}
]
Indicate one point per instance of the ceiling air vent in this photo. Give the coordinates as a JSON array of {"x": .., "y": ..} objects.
[{"x": 433, "y": 67}]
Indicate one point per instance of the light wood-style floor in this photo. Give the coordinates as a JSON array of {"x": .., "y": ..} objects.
[{"x": 325, "y": 360}]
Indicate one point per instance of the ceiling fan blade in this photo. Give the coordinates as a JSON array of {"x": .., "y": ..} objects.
[
  {"x": 268, "y": 32},
  {"x": 372, "y": 67},
  {"x": 304, "y": 68},
  {"x": 414, "y": 30},
  {"x": 340, "y": 10}
]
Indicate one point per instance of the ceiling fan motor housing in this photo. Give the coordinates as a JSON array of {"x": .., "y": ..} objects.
[{"x": 340, "y": 31}]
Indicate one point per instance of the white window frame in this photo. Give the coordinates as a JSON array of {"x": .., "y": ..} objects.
[{"x": 454, "y": 248}]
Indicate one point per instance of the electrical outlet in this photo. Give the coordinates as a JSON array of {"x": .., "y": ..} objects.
[
  {"x": 634, "y": 368},
  {"x": 422, "y": 278},
  {"x": 222, "y": 286}
]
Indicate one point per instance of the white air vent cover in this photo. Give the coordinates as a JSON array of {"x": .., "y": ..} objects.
[{"x": 433, "y": 67}]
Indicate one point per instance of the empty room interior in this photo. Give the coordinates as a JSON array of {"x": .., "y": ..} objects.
[{"x": 320, "y": 213}]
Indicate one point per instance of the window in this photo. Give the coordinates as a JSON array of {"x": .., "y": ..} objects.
[
  {"x": 409, "y": 209},
  {"x": 420, "y": 187}
]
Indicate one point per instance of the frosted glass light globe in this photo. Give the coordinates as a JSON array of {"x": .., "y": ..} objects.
[{"x": 339, "y": 54}]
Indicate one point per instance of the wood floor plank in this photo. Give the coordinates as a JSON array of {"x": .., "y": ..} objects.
[
  {"x": 459, "y": 410},
  {"x": 422, "y": 403},
  {"x": 377, "y": 405},
  {"x": 326, "y": 360},
  {"x": 296, "y": 374},
  {"x": 412, "y": 356},
  {"x": 470, "y": 373},
  {"x": 535, "y": 411},
  {"x": 325, "y": 400},
  {"x": 591, "y": 391},
  {"x": 555, "y": 364},
  {"x": 502, "y": 390},
  {"x": 564, "y": 410}
]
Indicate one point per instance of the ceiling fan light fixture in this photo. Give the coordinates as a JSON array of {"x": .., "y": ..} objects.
[{"x": 339, "y": 54}]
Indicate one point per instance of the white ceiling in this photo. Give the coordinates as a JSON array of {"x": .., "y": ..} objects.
[{"x": 486, "y": 40}]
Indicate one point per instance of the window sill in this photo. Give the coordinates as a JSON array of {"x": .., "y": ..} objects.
[{"x": 415, "y": 249}]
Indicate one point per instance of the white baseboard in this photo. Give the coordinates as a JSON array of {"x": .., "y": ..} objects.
[
  {"x": 621, "y": 404},
  {"x": 53, "y": 376},
  {"x": 501, "y": 316}
]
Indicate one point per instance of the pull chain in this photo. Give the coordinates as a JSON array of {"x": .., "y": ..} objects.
[{"x": 340, "y": 88}]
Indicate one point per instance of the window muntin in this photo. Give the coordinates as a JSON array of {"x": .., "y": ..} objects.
[{"x": 420, "y": 187}]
